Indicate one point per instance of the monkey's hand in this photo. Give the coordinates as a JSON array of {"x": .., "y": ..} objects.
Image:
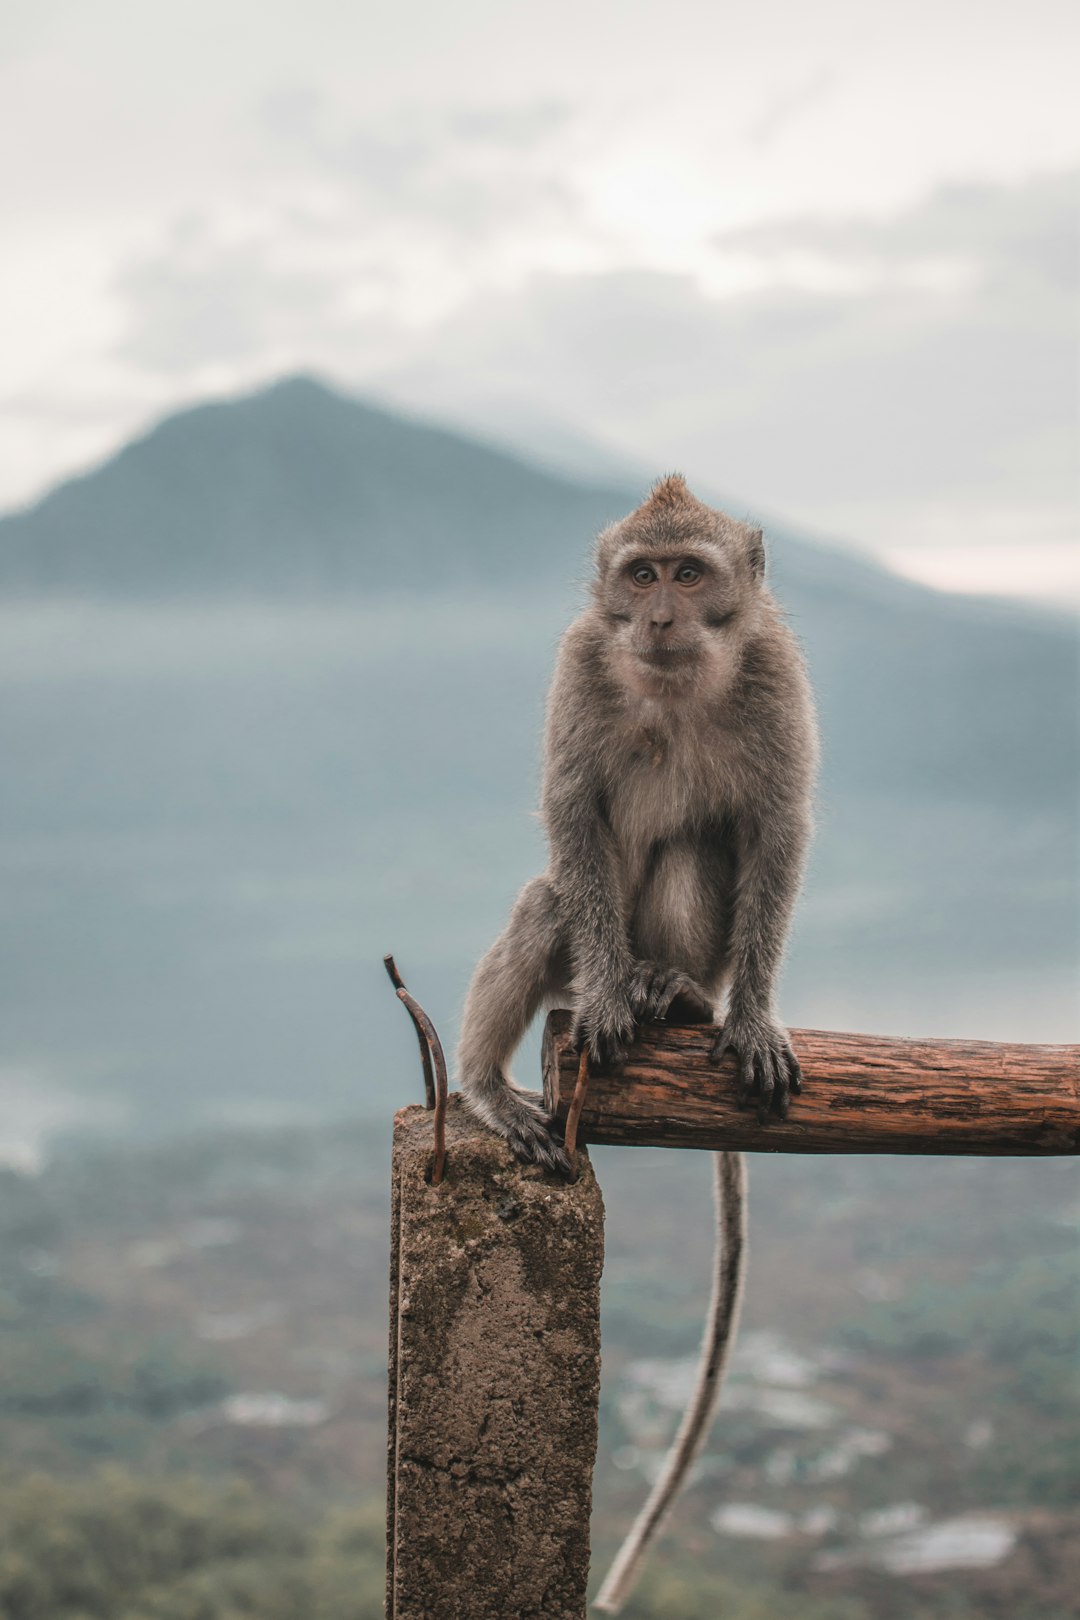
[
  {"x": 768, "y": 1068},
  {"x": 653, "y": 989},
  {"x": 605, "y": 1019}
]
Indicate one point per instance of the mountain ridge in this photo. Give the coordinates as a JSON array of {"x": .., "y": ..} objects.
[{"x": 221, "y": 496}]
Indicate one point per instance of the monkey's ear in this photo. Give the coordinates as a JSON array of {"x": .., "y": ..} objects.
[{"x": 755, "y": 552}]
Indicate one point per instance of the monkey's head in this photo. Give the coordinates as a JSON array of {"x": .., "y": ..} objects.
[{"x": 679, "y": 586}]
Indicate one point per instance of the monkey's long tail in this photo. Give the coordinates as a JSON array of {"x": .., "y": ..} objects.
[{"x": 729, "y": 1271}]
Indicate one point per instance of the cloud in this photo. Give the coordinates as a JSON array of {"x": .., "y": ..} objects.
[
  {"x": 919, "y": 397},
  {"x": 467, "y": 168},
  {"x": 514, "y": 126},
  {"x": 899, "y": 379},
  {"x": 790, "y": 105},
  {"x": 360, "y": 230},
  {"x": 1022, "y": 236},
  {"x": 189, "y": 310}
]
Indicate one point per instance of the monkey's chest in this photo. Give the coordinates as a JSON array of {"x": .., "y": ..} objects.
[{"x": 660, "y": 798}]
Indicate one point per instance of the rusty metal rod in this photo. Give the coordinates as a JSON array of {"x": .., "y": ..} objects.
[
  {"x": 431, "y": 1052},
  {"x": 577, "y": 1103}
]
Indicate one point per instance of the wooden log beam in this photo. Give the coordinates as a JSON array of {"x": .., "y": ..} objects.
[{"x": 861, "y": 1094}]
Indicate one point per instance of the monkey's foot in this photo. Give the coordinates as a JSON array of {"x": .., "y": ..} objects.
[
  {"x": 536, "y": 1143},
  {"x": 519, "y": 1117},
  {"x": 653, "y": 989},
  {"x": 768, "y": 1068}
]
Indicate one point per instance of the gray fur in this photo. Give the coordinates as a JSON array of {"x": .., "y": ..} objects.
[{"x": 679, "y": 761}]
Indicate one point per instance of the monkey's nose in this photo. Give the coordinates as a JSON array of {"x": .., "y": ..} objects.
[{"x": 661, "y": 624}]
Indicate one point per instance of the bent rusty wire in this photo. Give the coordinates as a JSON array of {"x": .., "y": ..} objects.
[
  {"x": 576, "y": 1105},
  {"x": 431, "y": 1055}
]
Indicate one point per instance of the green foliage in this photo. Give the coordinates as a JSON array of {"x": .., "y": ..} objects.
[
  {"x": 1021, "y": 1317},
  {"x": 52, "y": 1379},
  {"x": 120, "y": 1549},
  {"x": 669, "y": 1592},
  {"x": 1013, "y": 1326}
]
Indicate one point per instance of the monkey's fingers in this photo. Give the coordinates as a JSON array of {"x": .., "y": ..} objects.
[
  {"x": 766, "y": 1082},
  {"x": 671, "y": 985},
  {"x": 720, "y": 1047},
  {"x": 767, "y": 1068},
  {"x": 788, "y": 1079},
  {"x": 581, "y": 1035},
  {"x": 607, "y": 1051},
  {"x": 747, "y": 1078},
  {"x": 782, "y": 1092},
  {"x": 607, "y": 1054}
]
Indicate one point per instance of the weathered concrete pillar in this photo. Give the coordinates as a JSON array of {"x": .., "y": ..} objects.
[{"x": 494, "y": 1380}]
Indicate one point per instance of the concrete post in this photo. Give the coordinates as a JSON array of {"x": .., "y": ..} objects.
[{"x": 494, "y": 1380}]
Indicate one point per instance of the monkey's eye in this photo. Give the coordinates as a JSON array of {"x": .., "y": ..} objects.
[
  {"x": 688, "y": 574},
  {"x": 643, "y": 574}
]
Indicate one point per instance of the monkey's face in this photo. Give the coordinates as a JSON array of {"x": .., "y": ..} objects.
[{"x": 675, "y": 617}]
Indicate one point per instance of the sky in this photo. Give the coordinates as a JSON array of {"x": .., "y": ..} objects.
[{"x": 822, "y": 259}]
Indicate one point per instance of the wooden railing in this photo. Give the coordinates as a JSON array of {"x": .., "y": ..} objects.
[{"x": 861, "y": 1094}]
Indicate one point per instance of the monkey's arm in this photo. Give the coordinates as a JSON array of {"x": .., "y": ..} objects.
[
  {"x": 771, "y": 853},
  {"x": 587, "y": 879},
  {"x": 586, "y": 872}
]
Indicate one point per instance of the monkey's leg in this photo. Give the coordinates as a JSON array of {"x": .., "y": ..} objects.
[
  {"x": 770, "y": 866},
  {"x": 521, "y": 970},
  {"x": 725, "y": 1304},
  {"x": 671, "y": 932}
]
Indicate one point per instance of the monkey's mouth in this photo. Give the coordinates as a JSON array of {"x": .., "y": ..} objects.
[{"x": 666, "y": 657}]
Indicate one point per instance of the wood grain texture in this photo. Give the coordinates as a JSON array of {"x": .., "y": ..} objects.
[{"x": 861, "y": 1094}]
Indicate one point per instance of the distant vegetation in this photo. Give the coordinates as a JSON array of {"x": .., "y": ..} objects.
[
  {"x": 144, "y": 1291},
  {"x": 116, "y": 1548}
]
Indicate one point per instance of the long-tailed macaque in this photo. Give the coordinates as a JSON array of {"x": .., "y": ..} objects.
[{"x": 678, "y": 773}]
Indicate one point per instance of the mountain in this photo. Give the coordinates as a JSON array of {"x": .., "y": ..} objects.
[
  {"x": 271, "y": 683},
  {"x": 298, "y": 489}
]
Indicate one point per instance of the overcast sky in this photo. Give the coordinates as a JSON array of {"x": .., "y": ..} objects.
[{"x": 823, "y": 258}]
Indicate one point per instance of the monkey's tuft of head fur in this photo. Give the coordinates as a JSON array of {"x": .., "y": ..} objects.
[
  {"x": 672, "y": 520},
  {"x": 670, "y": 491}
]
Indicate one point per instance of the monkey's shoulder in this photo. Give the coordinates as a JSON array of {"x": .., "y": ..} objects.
[
  {"x": 772, "y": 695},
  {"x": 583, "y": 646},
  {"x": 583, "y": 688}
]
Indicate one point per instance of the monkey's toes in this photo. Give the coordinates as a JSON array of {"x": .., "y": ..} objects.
[
  {"x": 654, "y": 990},
  {"x": 534, "y": 1144},
  {"x": 679, "y": 987}
]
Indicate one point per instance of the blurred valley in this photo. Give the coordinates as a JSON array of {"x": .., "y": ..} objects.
[{"x": 271, "y": 688}]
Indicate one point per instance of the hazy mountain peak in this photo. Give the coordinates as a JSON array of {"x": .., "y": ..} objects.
[{"x": 299, "y": 488}]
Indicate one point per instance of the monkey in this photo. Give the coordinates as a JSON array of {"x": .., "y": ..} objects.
[
  {"x": 679, "y": 762},
  {"x": 680, "y": 754}
]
